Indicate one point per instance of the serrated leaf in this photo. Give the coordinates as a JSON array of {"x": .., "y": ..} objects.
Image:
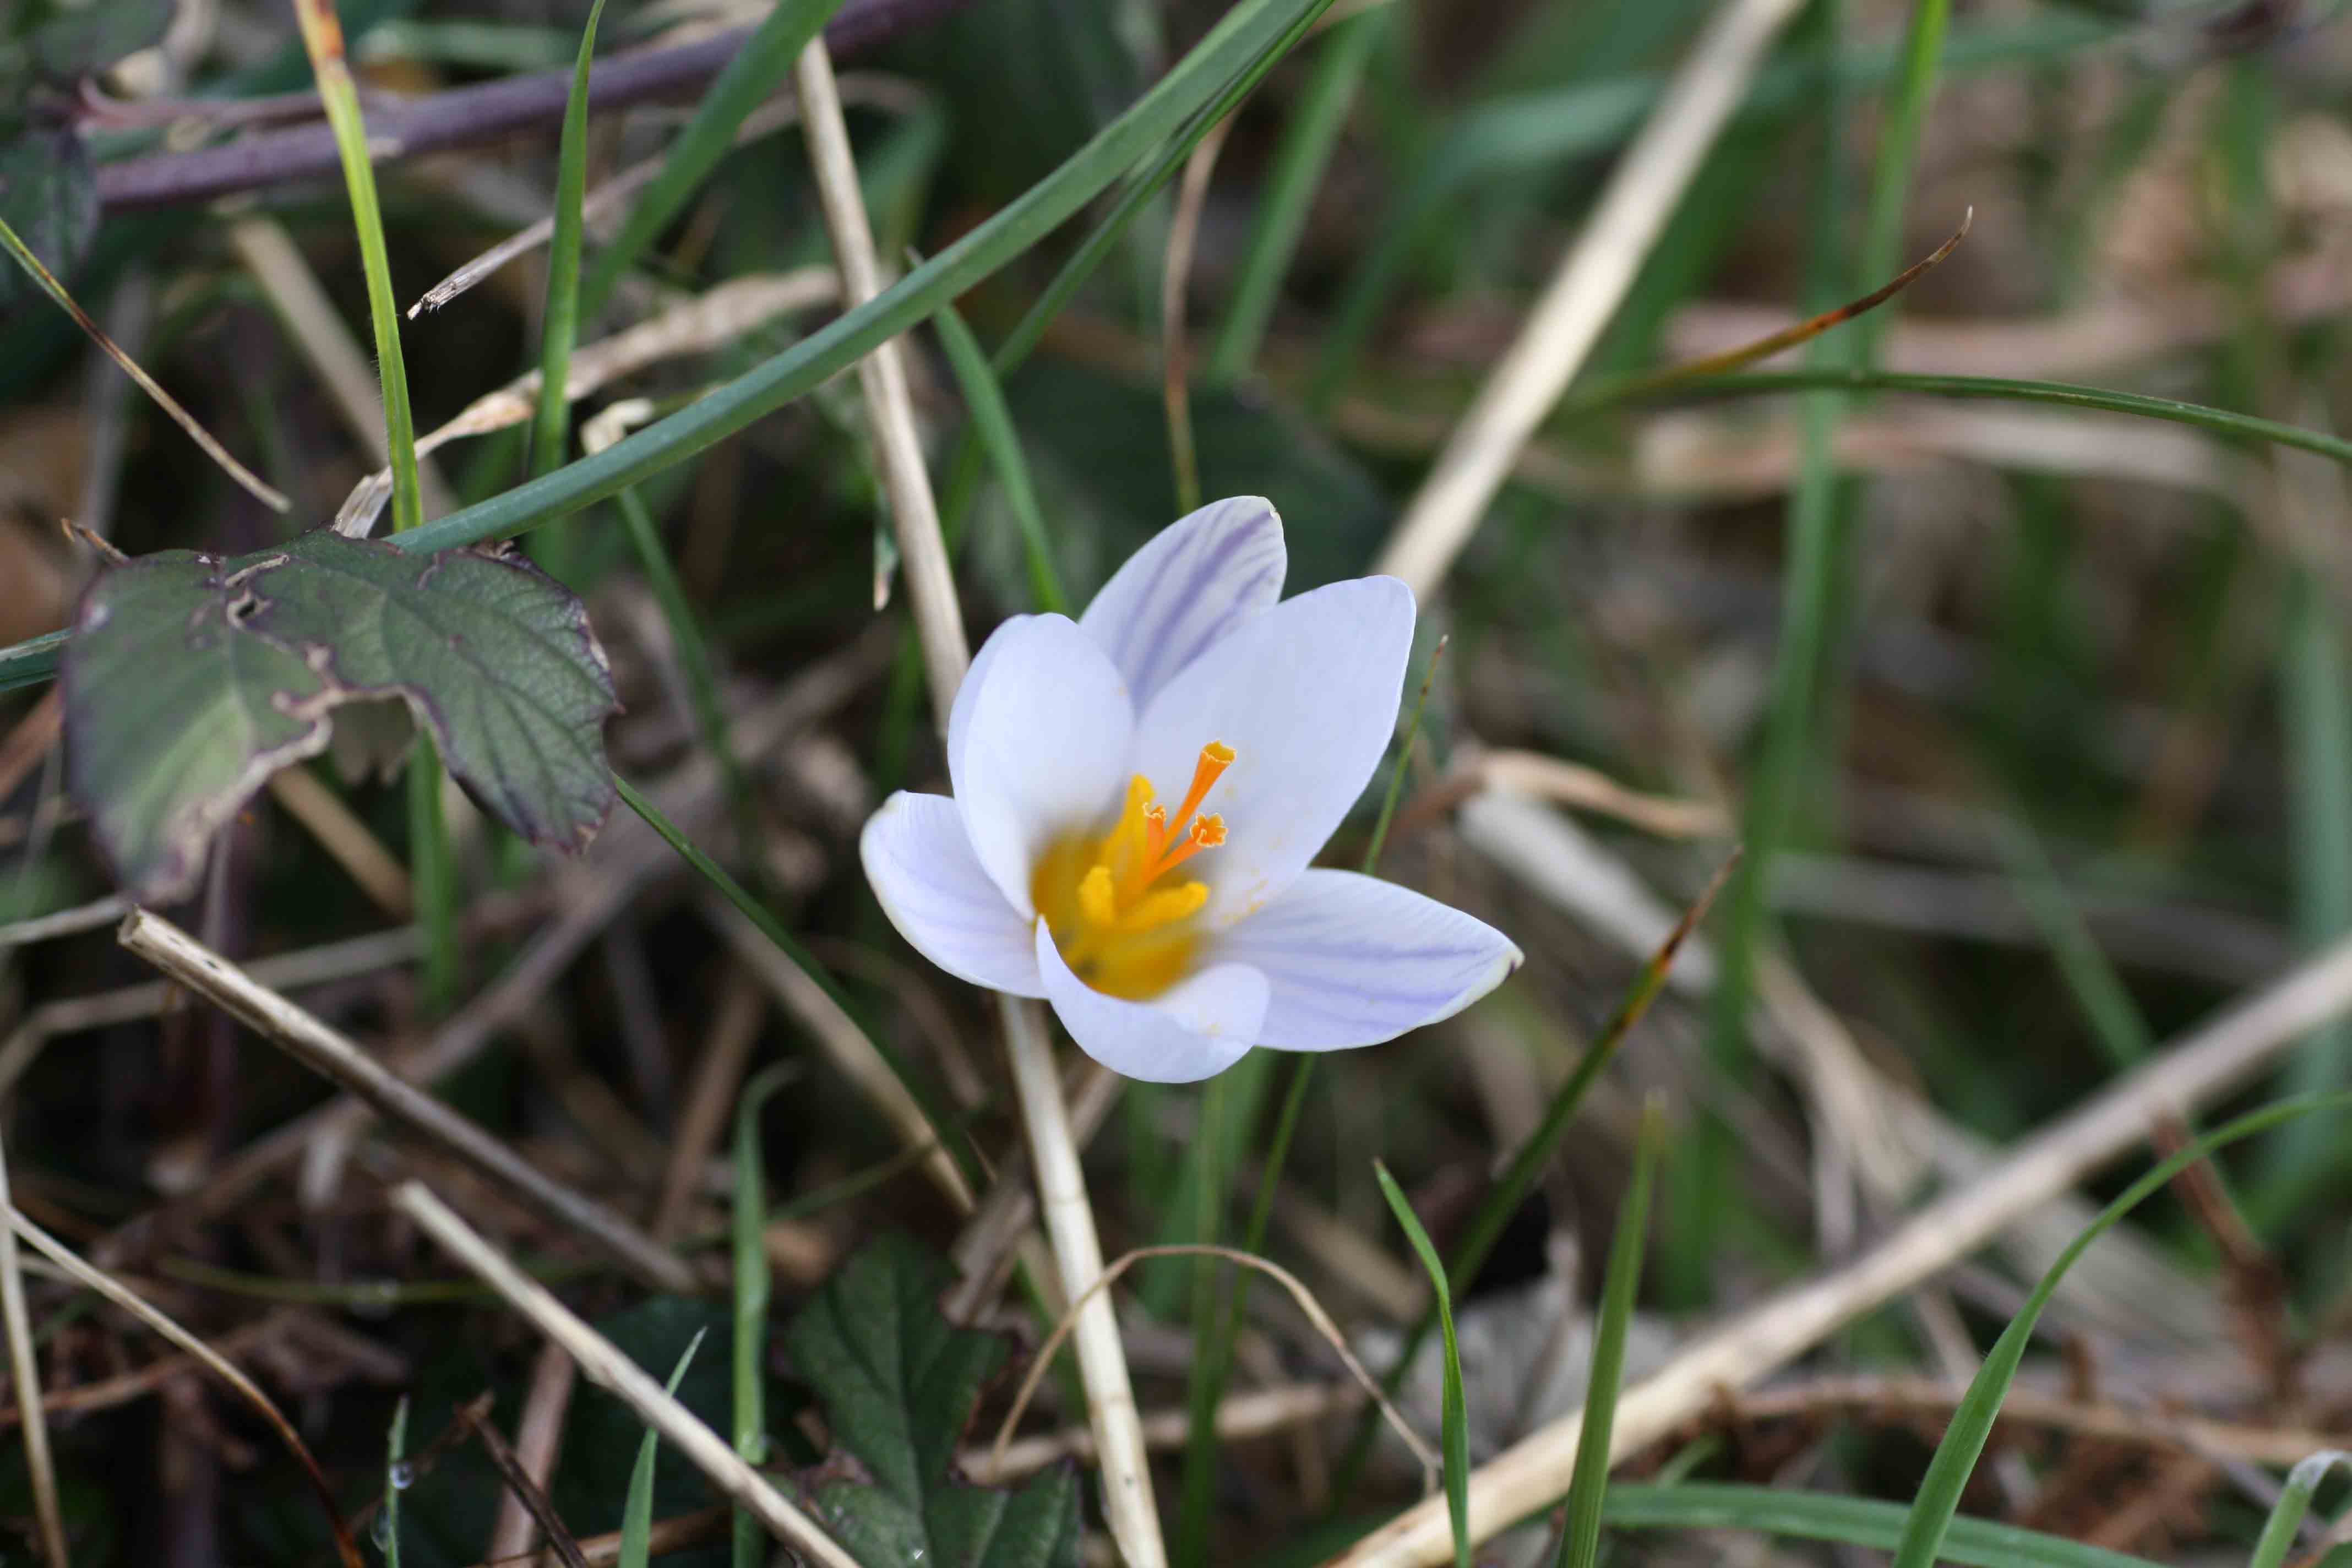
[
  {"x": 48, "y": 194},
  {"x": 82, "y": 42},
  {"x": 898, "y": 1383},
  {"x": 191, "y": 677}
]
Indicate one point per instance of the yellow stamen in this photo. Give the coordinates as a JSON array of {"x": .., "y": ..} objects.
[{"x": 1120, "y": 927}]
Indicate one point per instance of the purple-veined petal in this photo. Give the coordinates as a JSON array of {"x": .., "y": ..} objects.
[
  {"x": 1195, "y": 1029},
  {"x": 1306, "y": 694},
  {"x": 935, "y": 891},
  {"x": 1350, "y": 960},
  {"x": 1042, "y": 747},
  {"x": 1199, "y": 578}
]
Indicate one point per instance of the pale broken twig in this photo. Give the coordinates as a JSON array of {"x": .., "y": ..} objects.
[
  {"x": 25, "y": 1373},
  {"x": 607, "y": 1367},
  {"x": 303, "y": 1037}
]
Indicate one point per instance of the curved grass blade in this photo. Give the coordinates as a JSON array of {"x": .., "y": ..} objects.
[
  {"x": 1299, "y": 166},
  {"x": 1580, "y": 1546},
  {"x": 1938, "y": 1497},
  {"x": 638, "y": 1511},
  {"x": 2065, "y": 394},
  {"x": 748, "y": 1234},
  {"x": 983, "y": 396},
  {"x": 1854, "y": 1521},
  {"x": 253, "y": 483},
  {"x": 560, "y": 322},
  {"x": 2294, "y": 1501},
  {"x": 1456, "y": 1418},
  {"x": 1249, "y": 30},
  {"x": 949, "y": 1132},
  {"x": 758, "y": 69}
]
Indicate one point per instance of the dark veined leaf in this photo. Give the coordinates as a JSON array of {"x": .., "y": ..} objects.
[
  {"x": 80, "y": 42},
  {"x": 50, "y": 197},
  {"x": 898, "y": 1383},
  {"x": 192, "y": 677}
]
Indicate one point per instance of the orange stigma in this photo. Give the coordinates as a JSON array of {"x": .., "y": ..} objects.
[{"x": 1119, "y": 926}]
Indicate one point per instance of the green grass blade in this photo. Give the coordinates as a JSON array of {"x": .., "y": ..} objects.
[
  {"x": 433, "y": 876},
  {"x": 1898, "y": 153},
  {"x": 1938, "y": 1497},
  {"x": 1455, "y": 1435},
  {"x": 984, "y": 396},
  {"x": 1250, "y": 29},
  {"x": 561, "y": 320},
  {"x": 2064, "y": 394},
  {"x": 30, "y": 662},
  {"x": 1141, "y": 191},
  {"x": 395, "y": 1481},
  {"x": 1299, "y": 162},
  {"x": 2105, "y": 1002},
  {"x": 1855, "y": 1521},
  {"x": 748, "y": 1233},
  {"x": 2286, "y": 1515},
  {"x": 758, "y": 69},
  {"x": 949, "y": 1132},
  {"x": 322, "y": 35},
  {"x": 638, "y": 1511},
  {"x": 1581, "y": 1544}
]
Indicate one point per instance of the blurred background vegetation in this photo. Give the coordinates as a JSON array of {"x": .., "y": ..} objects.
[{"x": 2035, "y": 720}]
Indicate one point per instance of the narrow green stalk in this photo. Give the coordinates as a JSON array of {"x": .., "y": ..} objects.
[
  {"x": 748, "y": 1235},
  {"x": 983, "y": 396},
  {"x": 322, "y": 35},
  {"x": 1455, "y": 1419},
  {"x": 1580, "y": 1546},
  {"x": 637, "y": 1508},
  {"x": 1308, "y": 142},
  {"x": 2106, "y": 1005},
  {"x": 1404, "y": 755},
  {"x": 433, "y": 876},
  {"x": 950, "y": 1133},
  {"x": 1938, "y": 1500},
  {"x": 560, "y": 322},
  {"x": 2294, "y": 1501}
]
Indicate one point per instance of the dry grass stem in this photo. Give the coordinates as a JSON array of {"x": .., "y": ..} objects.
[
  {"x": 709, "y": 1096},
  {"x": 1321, "y": 1321},
  {"x": 2210, "y": 1061},
  {"x": 122, "y": 1296},
  {"x": 1642, "y": 192},
  {"x": 64, "y": 922},
  {"x": 521, "y": 1486},
  {"x": 339, "y": 832},
  {"x": 609, "y": 1369},
  {"x": 1133, "y": 1513},
  {"x": 882, "y": 376},
  {"x": 25, "y": 1373},
  {"x": 303, "y": 1037},
  {"x": 984, "y": 1248},
  {"x": 1175, "y": 278},
  {"x": 539, "y": 1441},
  {"x": 327, "y": 345},
  {"x": 1260, "y": 1413},
  {"x": 718, "y": 316}
]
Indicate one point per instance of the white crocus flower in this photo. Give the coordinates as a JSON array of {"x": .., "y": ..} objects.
[{"x": 1173, "y": 930}]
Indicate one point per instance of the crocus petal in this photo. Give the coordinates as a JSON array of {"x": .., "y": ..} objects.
[
  {"x": 932, "y": 887},
  {"x": 1195, "y": 1029},
  {"x": 1199, "y": 578},
  {"x": 967, "y": 695},
  {"x": 1353, "y": 961},
  {"x": 1306, "y": 694},
  {"x": 1043, "y": 746}
]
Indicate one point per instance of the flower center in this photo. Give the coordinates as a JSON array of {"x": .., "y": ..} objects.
[{"x": 1124, "y": 925}]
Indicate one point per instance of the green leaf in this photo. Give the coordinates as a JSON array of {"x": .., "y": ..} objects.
[
  {"x": 192, "y": 677},
  {"x": 2294, "y": 1501},
  {"x": 82, "y": 42},
  {"x": 1580, "y": 1543},
  {"x": 898, "y": 1383},
  {"x": 637, "y": 1513},
  {"x": 50, "y": 197}
]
